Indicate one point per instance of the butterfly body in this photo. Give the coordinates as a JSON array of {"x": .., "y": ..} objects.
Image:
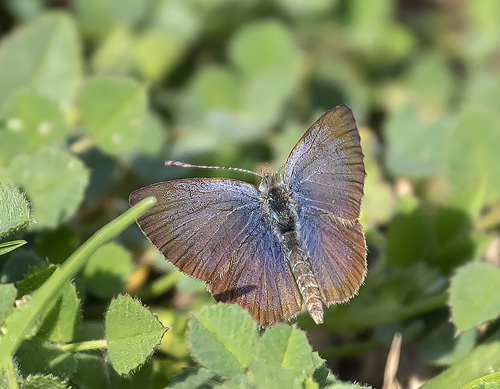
[
  {"x": 279, "y": 210},
  {"x": 293, "y": 241}
]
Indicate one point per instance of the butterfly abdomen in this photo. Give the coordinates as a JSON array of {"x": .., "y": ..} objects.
[{"x": 300, "y": 265}]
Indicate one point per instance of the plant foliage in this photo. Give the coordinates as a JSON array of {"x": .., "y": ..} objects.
[{"x": 96, "y": 95}]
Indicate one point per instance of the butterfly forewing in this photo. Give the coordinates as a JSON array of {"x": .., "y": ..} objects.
[
  {"x": 213, "y": 229},
  {"x": 325, "y": 170}
]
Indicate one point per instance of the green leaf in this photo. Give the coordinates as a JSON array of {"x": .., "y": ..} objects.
[
  {"x": 108, "y": 270},
  {"x": 34, "y": 278},
  {"x": 410, "y": 237},
  {"x": 93, "y": 371},
  {"x": 416, "y": 142},
  {"x": 56, "y": 245},
  {"x": 20, "y": 323},
  {"x": 475, "y": 295},
  {"x": 283, "y": 359},
  {"x": 223, "y": 339},
  {"x": 264, "y": 45},
  {"x": 44, "y": 55},
  {"x": 322, "y": 374},
  {"x": 490, "y": 381},
  {"x": 156, "y": 53},
  {"x": 50, "y": 359},
  {"x": 43, "y": 382},
  {"x": 132, "y": 332},
  {"x": 212, "y": 88},
  {"x": 473, "y": 154},
  {"x": 14, "y": 210},
  {"x": 270, "y": 376},
  {"x": 379, "y": 203},
  {"x": 7, "y": 247},
  {"x": 443, "y": 347},
  {"x": 177, "y": 18},
  {"x": 18, "y": 264},
  {"x": 154, "y": 136},
  {"x": 264, "y": 97},
  {"x": 482, "y": 360},
  {"x": 311, "y": 8},
  {"x": 286, "y": 347},
  {"x": 192, "y": 377},
  {"x": 54, "y": 182},
  {"x": 113, "y": 112},
  {"x": 8, "y": 294},
  {"x": 113, "y": 56},
  {"x": 430, "y": 82},
  {"x": 28, "y": 122},
  {"x": 64, "y": 314}
]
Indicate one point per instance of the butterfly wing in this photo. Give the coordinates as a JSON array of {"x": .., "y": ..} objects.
[
  {"x": 337, "y": 251},
  {"x": 325, "y": 172},
  {"x": 213, "y": 230}
]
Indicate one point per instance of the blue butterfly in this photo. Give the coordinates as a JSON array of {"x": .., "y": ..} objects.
[{"x": 294, "y": 241}]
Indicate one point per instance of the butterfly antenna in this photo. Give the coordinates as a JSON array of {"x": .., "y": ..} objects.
[{"x": 236, "y": 169}]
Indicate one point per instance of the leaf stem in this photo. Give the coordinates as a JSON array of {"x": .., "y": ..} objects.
[
  {"x": 84, "y": 346},
  {"x": 21, "y": 321}
]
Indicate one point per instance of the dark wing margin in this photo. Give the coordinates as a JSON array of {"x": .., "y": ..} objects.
[
  {"x": 213, "y": 230},
  {"x": 325, "y": 169}
]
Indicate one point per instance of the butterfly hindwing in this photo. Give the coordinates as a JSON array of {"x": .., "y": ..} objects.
[
  {"x": 213, "y": 229},
  {"x": 337, "y": 251}
]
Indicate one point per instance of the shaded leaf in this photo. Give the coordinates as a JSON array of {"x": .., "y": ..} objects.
[
  {"x": 50, "y": 359},
  {"x": 108, "y": 270},
  {"x": 18, "y": 264}
]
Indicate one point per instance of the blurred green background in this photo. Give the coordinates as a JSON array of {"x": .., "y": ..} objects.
[{"x": 96, "y": 94}]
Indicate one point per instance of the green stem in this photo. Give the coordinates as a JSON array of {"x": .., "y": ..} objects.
[
  {"x": 10, "y": 375},
  {"x": 19, "y": 324},
  {"x": 161, "y": 285},
  {"x": 84, "y": 346}
]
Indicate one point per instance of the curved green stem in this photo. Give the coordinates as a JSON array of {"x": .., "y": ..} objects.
[{"x": 17, "y": 326}]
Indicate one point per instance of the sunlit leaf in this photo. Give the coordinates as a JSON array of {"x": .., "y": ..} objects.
[
  {"x": 44, "y": 55},
  {"x": 113, "y": 111},
  {"x": 54, "y": 182}
]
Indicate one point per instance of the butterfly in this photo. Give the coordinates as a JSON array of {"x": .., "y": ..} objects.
[{"x": 294, "y": 242}]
